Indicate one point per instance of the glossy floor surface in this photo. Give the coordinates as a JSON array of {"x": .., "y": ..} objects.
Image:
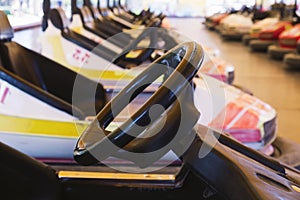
[{"x": 266, "y": 78}]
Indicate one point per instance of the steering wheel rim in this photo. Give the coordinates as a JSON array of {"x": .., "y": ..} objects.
[
  {"x": 185, "y": 59},
  {"x": 133, "y": 45}
]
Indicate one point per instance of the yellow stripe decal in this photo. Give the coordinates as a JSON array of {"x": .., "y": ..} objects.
[
  {"x": 103, "y": 74},
  {"x": 39, "y": 127},
  {"x": 120, "y": 176}
]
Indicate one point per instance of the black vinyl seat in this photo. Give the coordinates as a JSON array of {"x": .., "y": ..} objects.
[
  {"x": 94, "y": 22},
  {"x": 102, "y": 28},
  {"x": 142, "y": 18},
  {"x": 100, "y": 19},
  {"x": 113, "y": 6},
  {"x": 105, "y": 13},
  {"x": 44, "y": 78},
  {"x": 119, "y": 13},
  {"x": 60, "y": 21}
]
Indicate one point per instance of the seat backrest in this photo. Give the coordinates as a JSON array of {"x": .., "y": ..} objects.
[
  {"x": 17, "y": 60},
  {"x": 52, "y": 77},
  {"x": 86, "y": 14},
  {"x": 14, "y": 58}
]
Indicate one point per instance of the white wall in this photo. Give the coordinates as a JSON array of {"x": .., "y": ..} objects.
[
  {"x": 195, "y": 7},
  {"x": 170, "y": 7}
]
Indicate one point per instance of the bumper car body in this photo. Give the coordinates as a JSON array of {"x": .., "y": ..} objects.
[
  {"x": 257, "y": 27},
  {"x": 287, "y": 43},
  {"x": 269, "y": 36}
]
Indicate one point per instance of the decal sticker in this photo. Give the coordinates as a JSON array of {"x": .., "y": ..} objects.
[
  {"x": 81, "y": 56},
  {"x": 4, "y": 92}
]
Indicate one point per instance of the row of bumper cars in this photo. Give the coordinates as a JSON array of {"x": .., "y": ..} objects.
[
  {"x": 233, "y": 101},
  {"x": 119, "y": 11},
  {"x": 244, "y": 26},
  {"x": 236, "y": 25},
  {"x": 224, "y": 71},
  {"x": 120, "y": 38},
  {"x": 141, "y": 20},
  {"x": 279, "y": 39},
  {"x": 103, "y": 30},
  {"x": 270, "y": 36},
  {"x": 83, "y": 51},
  {"x": 68, "y": 134},
  {"x": 216, "y": 67}
]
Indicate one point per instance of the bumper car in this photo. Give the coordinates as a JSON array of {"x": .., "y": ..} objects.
[
  {"x": 235, "y": 26},
  {"x": 18, "y": 61},
  {"x": 222, "y": 70},
  {"x": 269, "y": 36},
  {"x": 256, "y": 28},
  {"x": 292, "y": 60},
  {"x": 213, "y": 21},
  {"x": 287, "y": 43},
  {"x": 126, "y": 162}
]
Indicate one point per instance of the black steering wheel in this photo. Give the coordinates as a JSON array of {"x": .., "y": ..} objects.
[
  {"x": 178, "y": 66},
  {"x": 145, "y": 52}
]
